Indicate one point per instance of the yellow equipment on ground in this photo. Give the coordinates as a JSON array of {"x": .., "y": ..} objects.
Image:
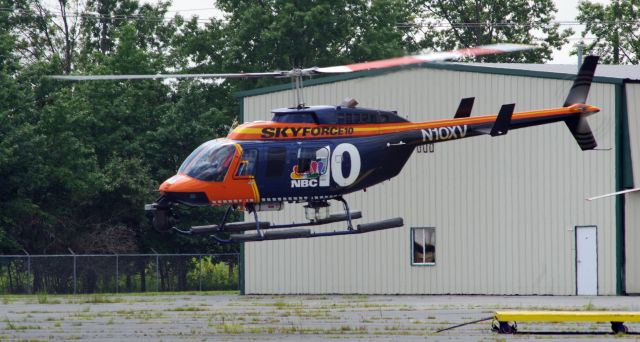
[{"x": 505, "y": 321}]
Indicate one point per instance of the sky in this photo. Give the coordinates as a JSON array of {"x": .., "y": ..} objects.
[{"x": 567, "y": 11}]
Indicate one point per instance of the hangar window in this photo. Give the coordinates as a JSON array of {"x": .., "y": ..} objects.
[{"x": 423, "y": 246}]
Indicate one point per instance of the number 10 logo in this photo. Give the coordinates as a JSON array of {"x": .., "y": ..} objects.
[{"x": 336, "y": 164}]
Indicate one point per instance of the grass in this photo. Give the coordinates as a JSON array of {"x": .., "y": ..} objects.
[
  {"x": 188, "y": 308},
  {"x": 12, "y": 326},
  {"x": 43, "y": 298},
  {"x": 231, "y": 328},
  {"x": 48, "y": 298},
  {"x": 97, "y": 298}
]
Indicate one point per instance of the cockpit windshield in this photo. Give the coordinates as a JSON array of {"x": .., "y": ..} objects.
[{"x": 210, "y": 161}]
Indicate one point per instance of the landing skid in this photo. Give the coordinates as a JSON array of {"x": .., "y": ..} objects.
[{"x": 267, "y": 231}]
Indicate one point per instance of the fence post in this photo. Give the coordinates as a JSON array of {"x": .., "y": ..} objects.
[
  {"x": 28, "y": 271},
  {"x": 117, "y": 274},
  {"x": 200, "y": 275},
  {"x": 75, "y": 285},
  {"x": 157, "y": 268}
]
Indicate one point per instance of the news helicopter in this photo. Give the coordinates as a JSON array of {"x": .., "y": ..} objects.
[{"x": 318, "y": 154}]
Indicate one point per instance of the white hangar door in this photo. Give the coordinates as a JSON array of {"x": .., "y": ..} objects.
[{"x": 587, "y": 260}]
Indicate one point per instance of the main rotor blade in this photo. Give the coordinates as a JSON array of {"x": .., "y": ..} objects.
[
  {"x": 165, "y": 76},
  {"x": 493, "y": 49}
]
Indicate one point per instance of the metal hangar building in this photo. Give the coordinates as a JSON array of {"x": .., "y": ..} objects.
[{"x": 504, "y": 215}]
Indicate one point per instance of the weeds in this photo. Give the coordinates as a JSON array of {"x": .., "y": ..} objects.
[
  {"x": 231, "y": 328},
  {"x": 42, "y": 298},
  {"x": 589, "y": 306},
  {"x": 188, "y": 308},
  {"x": 11, "y": 326}
]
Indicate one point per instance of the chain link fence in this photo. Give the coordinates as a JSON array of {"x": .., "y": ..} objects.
[{"x": 113, "y": 273}]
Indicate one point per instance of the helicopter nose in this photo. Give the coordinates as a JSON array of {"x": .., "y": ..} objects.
[
  {"x": 175, "y": 182},
  {"x": 183, "y": 183},
  {"x": 184, "y": 189}
]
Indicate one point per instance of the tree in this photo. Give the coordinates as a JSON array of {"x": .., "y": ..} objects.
[
  {"x": 281, "y": 35},
  {"x": 450, "y": 24},
  {"x": 616, "y": 28},
  {"x": 14, "y": 126}
]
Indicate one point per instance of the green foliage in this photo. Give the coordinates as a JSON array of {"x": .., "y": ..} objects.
[
  {"x": 478, "y": 22},
  {"x": 615, "y": 27},
  {"x": 273, "y": 35},
  {"x": 215, "y": 275}
]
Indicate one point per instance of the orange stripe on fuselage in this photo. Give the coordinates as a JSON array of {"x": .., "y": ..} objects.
[{"x": 268, "y": 130}]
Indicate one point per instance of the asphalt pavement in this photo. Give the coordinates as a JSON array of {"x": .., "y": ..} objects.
[{"x": 215, "y": 317}]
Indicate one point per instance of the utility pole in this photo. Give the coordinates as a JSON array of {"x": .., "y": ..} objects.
[
  {"x": 616, "y": 32},
  {"x": 580, "y": 47}
]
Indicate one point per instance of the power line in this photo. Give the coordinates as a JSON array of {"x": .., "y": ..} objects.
[
  {"x": 512, "y": 24},
  {"x": 438, "y": 24},
  {"x": 93, "y": 15}
]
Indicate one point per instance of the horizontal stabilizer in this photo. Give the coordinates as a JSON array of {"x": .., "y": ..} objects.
[
  {"x": 503, "y": 121},
  {"x": 580, "y": 89},
  {"x": 465, "y": 107}
]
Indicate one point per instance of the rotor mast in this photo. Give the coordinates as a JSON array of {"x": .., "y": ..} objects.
[{"x": 297, "y": 85}]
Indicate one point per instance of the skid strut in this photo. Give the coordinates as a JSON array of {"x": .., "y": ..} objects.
[{"x": 268, "y": 231}]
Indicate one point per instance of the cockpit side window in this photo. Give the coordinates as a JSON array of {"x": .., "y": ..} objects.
[
  {"x": 247, "y": 166},
  {"x": 209, "y": 162}
]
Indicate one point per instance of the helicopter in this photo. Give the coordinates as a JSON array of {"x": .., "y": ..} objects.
[{"x": 317, "y": 154}]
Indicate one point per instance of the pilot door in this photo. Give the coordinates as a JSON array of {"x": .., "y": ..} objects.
[{"x": 242, "y": 183}]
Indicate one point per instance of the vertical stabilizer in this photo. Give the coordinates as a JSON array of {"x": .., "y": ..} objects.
[
  {"x": 581, "y": 131},
  {"x": 578, "y": 125},
  {"x": 580, "y": 89}
]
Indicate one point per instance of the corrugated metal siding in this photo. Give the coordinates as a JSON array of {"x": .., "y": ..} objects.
[
  {"x": 504, "y": 208},
  {"x": 632, "y": 201}
]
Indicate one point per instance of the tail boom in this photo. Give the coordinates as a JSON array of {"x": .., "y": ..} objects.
[{"x": 444, "y": 130}]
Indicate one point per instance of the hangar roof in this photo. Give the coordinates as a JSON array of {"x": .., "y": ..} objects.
[{"x": 623, "y": 72}]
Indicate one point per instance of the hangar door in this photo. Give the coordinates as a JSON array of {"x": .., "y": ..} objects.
[{"x": 587, "y": 260}]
